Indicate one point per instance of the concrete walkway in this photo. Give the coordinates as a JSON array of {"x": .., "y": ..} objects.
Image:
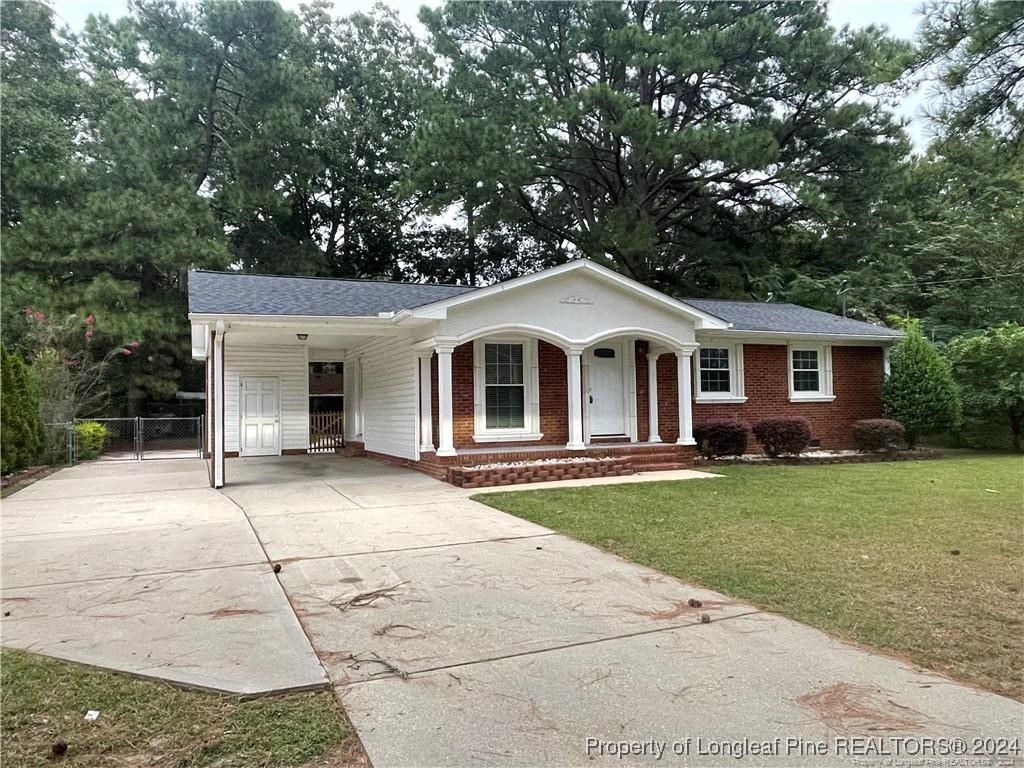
[{"x": 454, "y": 634}]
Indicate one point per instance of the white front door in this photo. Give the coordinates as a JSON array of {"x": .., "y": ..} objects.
[
  {"x": 606, "y": 390},
  {"x": 260, "y": 428}
]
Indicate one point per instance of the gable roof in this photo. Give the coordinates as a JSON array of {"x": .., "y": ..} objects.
[
  {"x": 761, "y": 317},
  {"x": 237, "y": 293}
]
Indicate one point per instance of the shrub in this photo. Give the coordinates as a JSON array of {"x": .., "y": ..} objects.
[
  {"x": 21, "y": 429},
  {"x": 877, "y": 435},
  {"x": 920, "y": 392},
  {"x": 783, "y": 435},
  {"x": 90, "y": 436},
  {"x": 721, "y": 438}
]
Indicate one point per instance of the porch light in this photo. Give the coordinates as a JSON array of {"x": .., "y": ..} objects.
[{"x": 302, "y": 336}]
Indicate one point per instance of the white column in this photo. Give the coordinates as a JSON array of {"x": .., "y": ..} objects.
[
  {"x": 685, "y": 400},
  {"x": 446, "y": 440},
  {"x": 652, "y": 396},
  {"x": 426, "y": 405},
  {"x": 575, "y": 395},
  {"x": 217, "y": 352}
]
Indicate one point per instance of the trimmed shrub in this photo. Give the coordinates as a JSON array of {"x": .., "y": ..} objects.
[
  {"x": 721, "y": 438},
  {"x": 872, "y": 435},
  {"x": 783, "y": 435},
  {"x": 90, "y": 436}
]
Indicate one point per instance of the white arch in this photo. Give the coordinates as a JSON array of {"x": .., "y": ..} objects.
[{"x": 565, "y": 343}]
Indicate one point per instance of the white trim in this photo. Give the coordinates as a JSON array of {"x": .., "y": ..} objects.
[
  {"x": 531, "y": 392},
  {"x": 525, "y": 330},
  {"x": 824, "y": 392},
  {"x": 439, "y": 309},
  {"x": 737, "y": 387},
  {"x": 785, "y": 337}
]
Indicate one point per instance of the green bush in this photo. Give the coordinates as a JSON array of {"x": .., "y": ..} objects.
[
  {"x": 871, "y": 435},
  {"x": 721, "y": 438},
  {"x": 22, "y": 437},
  {"x": 90, "y": 436},
  {"x": 920, "y": 392},
  {"x": 783, "y": 435}
]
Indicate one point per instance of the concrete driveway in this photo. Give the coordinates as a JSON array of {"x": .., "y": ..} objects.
[{"x": 454, "y": 634}]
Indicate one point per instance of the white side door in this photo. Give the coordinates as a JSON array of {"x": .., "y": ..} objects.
[
  {"x": 607, "y": 403},
  {"x": 260, "y": 430}
]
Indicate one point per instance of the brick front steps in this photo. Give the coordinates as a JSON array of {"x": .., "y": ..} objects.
[
  {"x": 516, "y": 474},
  {"x": 621, "y": 459}
]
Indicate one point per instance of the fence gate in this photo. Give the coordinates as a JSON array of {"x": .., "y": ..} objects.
[{"x": 171, "y": 437}]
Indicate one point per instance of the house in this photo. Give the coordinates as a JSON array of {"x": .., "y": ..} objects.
[{"x": 573, "y": 361}]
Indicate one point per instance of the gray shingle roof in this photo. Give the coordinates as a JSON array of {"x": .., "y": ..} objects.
[
  {"x": 235, "y": 293},
  {"x": 786, "y": 318}
]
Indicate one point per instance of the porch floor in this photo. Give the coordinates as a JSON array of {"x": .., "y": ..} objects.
[{"x": 551, "y": 447}]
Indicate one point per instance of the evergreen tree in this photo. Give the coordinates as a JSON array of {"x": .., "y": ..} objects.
[
  {"x": 22, "y": 435},
  {"x": 920, "y": 392}
]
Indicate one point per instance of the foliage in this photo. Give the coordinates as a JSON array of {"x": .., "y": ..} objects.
[
  {"x": 920, "y": 392},
  {"x": 989, "y": 368},
  {"x": 783, "y": 435},
  {"x": 977, "y": 46},
  {"x": 22, "y": 438},
  {"x": 650, "y": 133},
  {"x": 872, "y": 435},
  {"x": 90, "y": 437},
  {"x": 721, "y": 438}
]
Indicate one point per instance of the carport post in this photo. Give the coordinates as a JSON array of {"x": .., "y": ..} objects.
[
  {"x": 446, "y": 427},
  {"x": 217, "y": 353},
  {"x": 652, "y": 396},
  {"x": 683, "y": 367},
  {"x": 426, "y": 405}
]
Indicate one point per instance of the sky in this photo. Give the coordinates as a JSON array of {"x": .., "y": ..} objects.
[{"x": 900, "y": 16}]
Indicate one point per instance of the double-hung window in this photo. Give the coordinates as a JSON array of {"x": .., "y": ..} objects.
[
  {"x": 506, "y": 401},
  {"x": 719, "y": 373},
  {"x": 505, "y": 386},
  {"x": 810, "y": 373}
]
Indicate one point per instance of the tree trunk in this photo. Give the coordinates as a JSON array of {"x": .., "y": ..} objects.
[
  {"x": 1016, "y": 419},
  {"x": 471, "y": 249}
]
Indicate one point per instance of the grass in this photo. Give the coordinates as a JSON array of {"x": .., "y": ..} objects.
[
  {"x": 920, "y": 559},
  {"x": 145, "y": 723}
]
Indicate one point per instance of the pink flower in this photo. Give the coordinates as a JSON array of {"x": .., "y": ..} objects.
[
  {"x": 88, "y": 334},
  {"x": 134, "y": 345},
  {"x": 127, "y": 352},
  {"x": 90, "y": 320}
]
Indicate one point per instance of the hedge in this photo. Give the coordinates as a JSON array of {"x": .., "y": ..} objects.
[
  {"x": 725, "y": 437},
  {"x": 872, "y": 435},
  {"x": 783, "y": 435},
  {"x": 22, "y": 436}
]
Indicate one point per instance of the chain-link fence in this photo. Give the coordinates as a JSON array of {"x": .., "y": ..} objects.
[
  {"x": 124, "y": 439},
  {"x": 171, "y": 437}
]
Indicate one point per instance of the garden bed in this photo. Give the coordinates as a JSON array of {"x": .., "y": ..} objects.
[
  {"x": 822, "y": 457},
  {"x": 539, "y": 471}
]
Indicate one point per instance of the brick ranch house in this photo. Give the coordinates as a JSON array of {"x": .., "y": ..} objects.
[{"x": 576, "y": 361}]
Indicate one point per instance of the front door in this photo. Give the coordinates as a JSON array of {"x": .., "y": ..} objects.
[
  {"x": 260, "y": 428},
  {"x": 606, "y": 395}
]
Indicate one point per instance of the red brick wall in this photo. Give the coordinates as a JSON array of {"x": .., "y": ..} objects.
[
  {"x": 857, "y": 374},
  {"x": 554, "y": 407}
]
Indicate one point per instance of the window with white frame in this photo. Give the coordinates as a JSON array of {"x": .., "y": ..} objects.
[
  {"x": 505, "y": 387},
  {"x": 719, "y": 372},
  {"x": 810, "y": 373},
  {"x": 506, "y": 390}
]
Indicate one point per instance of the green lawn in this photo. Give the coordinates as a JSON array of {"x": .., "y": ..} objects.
[
  {"x": 921, "y": 559},
  {"x": 144, "y": 723}
]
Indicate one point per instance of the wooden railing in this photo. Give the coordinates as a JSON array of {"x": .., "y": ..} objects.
[{"x": 326, "y": 431}]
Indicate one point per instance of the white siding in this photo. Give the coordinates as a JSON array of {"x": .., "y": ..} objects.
[
  {"x": 389, "y": 397},
  {"x": 286, "y": 363}
]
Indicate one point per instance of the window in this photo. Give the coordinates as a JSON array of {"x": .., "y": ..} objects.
[
  {"x": 714, "y": 370},
  {"x": 718, "y": 373},
  {"x": 505, "y": 388},
  {"x": 810, "y": 373},
  {"x": 506, "y": 403},
  {"x": 806, "y": 376}
]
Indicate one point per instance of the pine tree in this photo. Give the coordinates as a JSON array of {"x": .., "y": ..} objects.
[{"x": 920, "y": 391}]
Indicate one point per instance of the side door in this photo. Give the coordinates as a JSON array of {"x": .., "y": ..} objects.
[{"x": 260, "y": 428}]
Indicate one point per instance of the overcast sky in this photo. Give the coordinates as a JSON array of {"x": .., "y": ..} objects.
[{"x": 900, "y": 16}]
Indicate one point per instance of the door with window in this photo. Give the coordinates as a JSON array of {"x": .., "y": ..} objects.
[
  {"x": 260, "y": 428},
  {"x": 606, "y": 396}
]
